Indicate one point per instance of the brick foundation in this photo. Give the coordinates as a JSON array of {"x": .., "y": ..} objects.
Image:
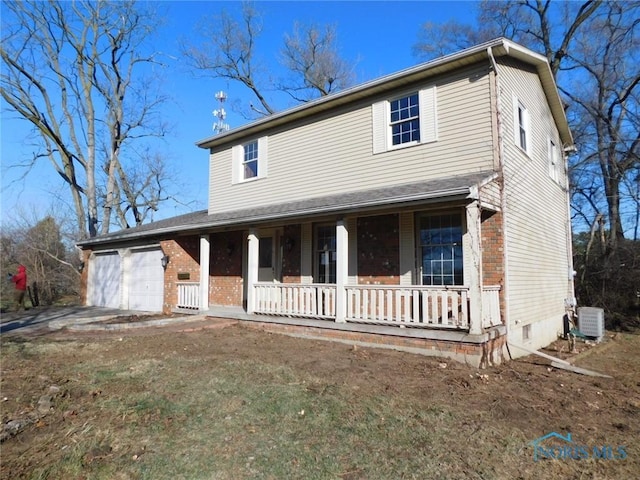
[{"x": 481, "y": 354}]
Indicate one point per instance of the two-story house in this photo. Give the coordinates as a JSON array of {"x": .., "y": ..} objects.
[{"x": 426, "y": 210}]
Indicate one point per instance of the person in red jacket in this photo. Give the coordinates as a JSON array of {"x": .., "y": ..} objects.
[{"x": 20, "y": 279}]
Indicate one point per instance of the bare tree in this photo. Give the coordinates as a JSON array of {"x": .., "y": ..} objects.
[
  {"x": 229, "y": 52},
  {"x": 74, "y": 72},
  {"x": 592, "y": 47},
  {"x": 40, "y": 244},
  {"x": 605, "y": 96},
  {"x": 310, "y": 54}
]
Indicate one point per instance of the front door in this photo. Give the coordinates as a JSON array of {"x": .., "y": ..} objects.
[{"x": 269, "y": 257}]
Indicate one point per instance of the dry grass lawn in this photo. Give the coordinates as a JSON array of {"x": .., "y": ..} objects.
[{"x": 237, "y": 403}]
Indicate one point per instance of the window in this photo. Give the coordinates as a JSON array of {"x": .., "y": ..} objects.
[
  {"x": 523, "y": 133},
  {"x": 440, "y": 249},
  {"x": 249, "y": 160},
  {"x": 265, "y": 252},
  {"x": 325, "y": 254},
  {"x": 553, "y": 161},
  {"x": 405, "y": 120}
]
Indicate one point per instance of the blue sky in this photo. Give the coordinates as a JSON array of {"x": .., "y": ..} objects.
[{"x": 377, "y": 36}]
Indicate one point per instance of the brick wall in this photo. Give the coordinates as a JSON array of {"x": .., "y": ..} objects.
[
  {"x": 225, "y": 268},
  {"x": 492, "y": 248},
  {"x": 379, "y": 250},
  {"x": 291, "y": 237},
  {"x": 493, "y": 253},
  {"x": 184, "y": 258}
]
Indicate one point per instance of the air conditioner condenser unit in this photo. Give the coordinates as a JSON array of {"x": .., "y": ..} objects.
[{"x": 591, "y": 322}]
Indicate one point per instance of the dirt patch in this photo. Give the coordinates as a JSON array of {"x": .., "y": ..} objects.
[
  {"x": 241, "y": 403},
  {"x": 138, "y": 318}
]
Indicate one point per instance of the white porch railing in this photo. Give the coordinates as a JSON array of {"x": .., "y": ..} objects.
[
  {"x": 491, "y": 306},
  {"x": 188, "y": 295},
  {"x": 316, "y": 300},
  {"x": 419, "y": 306},
  {"x": 412, "y": 305}
]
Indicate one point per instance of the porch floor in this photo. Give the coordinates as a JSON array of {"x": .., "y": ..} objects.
[{"x": 456, "y": 344}]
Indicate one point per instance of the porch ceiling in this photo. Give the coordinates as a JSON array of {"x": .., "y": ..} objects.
[{"x": 443, "y": 189}]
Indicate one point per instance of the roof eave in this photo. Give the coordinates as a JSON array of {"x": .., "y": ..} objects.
[
  {"x": 344, "y": 208},
  {"x": 548, "y": 84},
  {"x": 499, "y": 47}
]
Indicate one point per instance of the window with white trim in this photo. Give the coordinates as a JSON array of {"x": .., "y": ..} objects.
[
  {"x": 405, "y": 120},
  {"x": 325, "y": 254},
  {"x": 249, "y": 160},
  {"x": 553, "y": 161},
  {"x": 440, "y": 249},
  {"x": 522, "y": 127}
]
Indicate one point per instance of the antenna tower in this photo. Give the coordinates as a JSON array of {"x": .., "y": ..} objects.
[{"x": 219, "y": 126}]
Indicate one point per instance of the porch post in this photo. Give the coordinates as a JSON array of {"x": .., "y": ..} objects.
[
  {"x": 475, "y": 274},
  {"x": 205, "y": 253},
  {"x": 342, "y": 269},
  {"x": 252, "y": 269}
]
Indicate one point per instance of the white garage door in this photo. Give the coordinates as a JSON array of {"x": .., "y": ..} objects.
[
  {"x": 146, "y": 280},
  {"x": 104, "y": 280}
]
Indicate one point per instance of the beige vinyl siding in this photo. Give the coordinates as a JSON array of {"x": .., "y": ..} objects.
[
  {"x": 334, "y": 154},
  {"x": 536, "y": 211},
  {"x": 490, "y": 195}
]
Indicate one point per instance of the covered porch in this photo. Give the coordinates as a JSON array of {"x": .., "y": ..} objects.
[{"x": 343, "y": 297}]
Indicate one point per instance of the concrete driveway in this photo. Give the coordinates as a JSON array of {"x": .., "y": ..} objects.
[{"x": 39, "y": 317}]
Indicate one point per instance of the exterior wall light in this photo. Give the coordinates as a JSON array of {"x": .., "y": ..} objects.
[{"x": 165, "y": 261}]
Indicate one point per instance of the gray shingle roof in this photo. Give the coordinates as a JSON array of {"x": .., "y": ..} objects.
[{"x": 445, "y": 188}]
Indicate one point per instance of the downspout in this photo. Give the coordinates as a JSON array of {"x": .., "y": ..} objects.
[
  {"x": 571, "y": 302},
  {"x": 503, "y": 198}
]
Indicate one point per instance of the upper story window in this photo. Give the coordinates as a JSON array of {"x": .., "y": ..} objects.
[
  {"x": 554, "y": 172},
  {"x": 402, "y": 121},
  {"x": 405, "y": 119},
  {"x": 522, "y": 127},
  {"x": 249, "y": 160}
]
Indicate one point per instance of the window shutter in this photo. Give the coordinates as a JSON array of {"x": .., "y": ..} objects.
[
  {"x": 428, "y": 115},
  {"x": 407, "y": 248},
  {"x": 236, "y": 163},
  {"x": 379, "y": 125},
  {"x": 263, "y": 156}
]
